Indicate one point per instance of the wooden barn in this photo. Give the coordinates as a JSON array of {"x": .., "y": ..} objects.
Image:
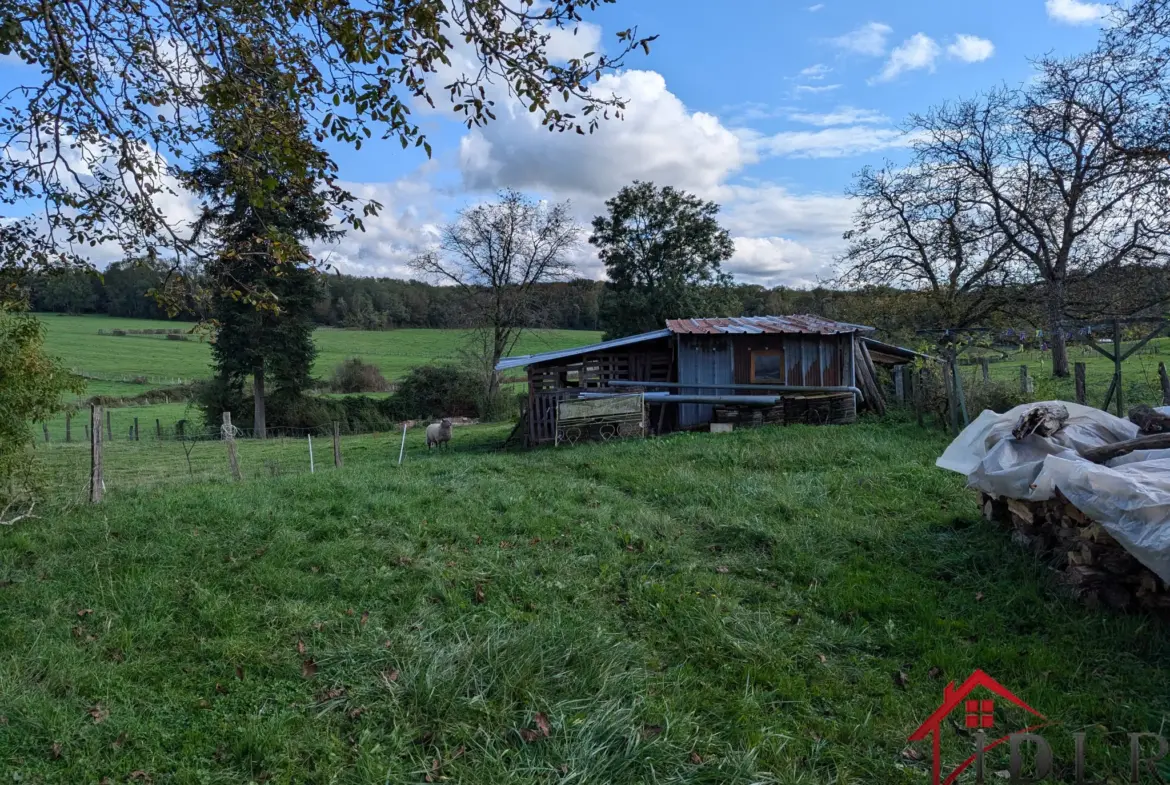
[{"x": 747, "y": 370}]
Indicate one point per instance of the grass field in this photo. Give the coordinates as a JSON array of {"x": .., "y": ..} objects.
[
  {"x": 75, "y": 339},
  {"x": 774, "y": 606}
]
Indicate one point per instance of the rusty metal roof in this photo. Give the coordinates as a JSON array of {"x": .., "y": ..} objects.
[{"x": 755, "y": 325}]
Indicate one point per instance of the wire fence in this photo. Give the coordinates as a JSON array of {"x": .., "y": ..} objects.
[{"x": 186, "y": 454}]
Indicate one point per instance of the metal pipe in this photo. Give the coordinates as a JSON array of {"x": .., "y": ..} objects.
[
  {"x": 746, "y": 400},
  {"x": 732, "y": 386}
]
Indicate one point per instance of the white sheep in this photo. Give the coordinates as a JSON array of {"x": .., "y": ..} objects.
[{"x": 438, "y": 433}]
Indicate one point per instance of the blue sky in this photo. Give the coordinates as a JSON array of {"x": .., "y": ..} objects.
[{"x": 766, "y": 106}]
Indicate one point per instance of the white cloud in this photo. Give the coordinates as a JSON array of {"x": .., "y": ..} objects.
[
  {"x": 842, "y": 115},
  {"x": 659, "y": 139},
  {"x": 825, "y": 88},
  {"x": 971, "y": 48},
  {"x": 869, "y": 39},
  {"x": 818, "y": 71},
  {"x": 917, "y": 52},
  {"x": 566, "y": 43},
  {"x": 812, "y": 9},
  {"x": 1076, "y": 12},
  {"x": 831, "y": 142},
  {"x": 770, "y": 261}
]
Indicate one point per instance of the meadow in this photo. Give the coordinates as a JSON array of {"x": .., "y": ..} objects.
[{"x": 782, "y": 605}]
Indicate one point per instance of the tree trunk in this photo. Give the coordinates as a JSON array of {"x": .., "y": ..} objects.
[
  {"x": 1056, "y": 328},
  {"x": 259, "y": 426}
]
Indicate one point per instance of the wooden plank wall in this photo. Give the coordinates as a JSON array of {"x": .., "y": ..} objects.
[{"x": 810, "y": 360}]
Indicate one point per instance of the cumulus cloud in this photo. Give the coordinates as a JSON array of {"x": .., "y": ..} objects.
[
  {"x": 839, "y": 142},
  {"x": 971, "y": 48},
  {"x": 869, "y": 39},
  {"x": 771, "y": 261},
  {"x": 842, "y": 115},
  {"x": 917, "y": 52},
  {"x": 1076, "y": 12}
]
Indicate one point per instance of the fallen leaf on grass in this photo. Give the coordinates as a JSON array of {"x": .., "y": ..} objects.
[
  {"x": 504, "y": 545},
  {"x": 330, "y": 694},
  {"x": 434, "y": 775},
  {"x": 901, "y": 679},
  {"x": 534, "y": 541},
  {"x": 300, "y": 646},
  {"x": 479, "y": 595},
  {"x": 450, "y": 564},
  {"x": 651, "y": 731},
  {"x": 425, "y": 739},
  {"x": 309, "y": 668},
  {"x": 822, "y": 658},
  {"x": 696, "y": 758},
  {"x": 479, "y": 540},
  {"x": 529, "y": 735},
  {"x": 459, "y": 752},
  {"x": 910, "y": 753},
  {"x": 404, "y": 561},
  {"x": 222, "y": 690},
  {"x": 934, "y": 672},
  {"x": 722, "y": 570},
  {"x": 140, "y": 775},
  {"x": 204, "y": 704},
  {"x": 390, "y": 676},
  {"x": 119, "y": 742},
  {"x": 240, "y": 672},
  {"x": 349, "y": 611},
  {"x": 261, "y": 551},
  {"x": 55, "y": 751},
  {"x": 355, "y": 713},
  {"x": 365, "y": 618},
  {"x": 99, "y": 714},
  {"x": 979, "y": 597},
  {"x": 3, "y": 719},
  {"x": 117, "y": 655},
  {"x": 81, "y": 614},
  {"x": 541, "y": 723},
  {"x": 314, "y": 568}
]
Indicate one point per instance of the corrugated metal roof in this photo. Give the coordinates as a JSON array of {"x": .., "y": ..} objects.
[
  {"x": 528, "y": 359},
  {"x": 896, "y": 351},
  {"x": 755, "y": 325}
]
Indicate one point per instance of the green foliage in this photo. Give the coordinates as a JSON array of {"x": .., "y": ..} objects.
[
  {"x": 355, "y": 376},
  {"x": 32, "y": 386},
  {"x": 439, "y": 391},
  {"x": 673, "y": 622},
  {"x": 663, "y": 251}
]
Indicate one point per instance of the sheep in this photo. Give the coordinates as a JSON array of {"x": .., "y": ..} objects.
[{"x": 438, "y": 433}]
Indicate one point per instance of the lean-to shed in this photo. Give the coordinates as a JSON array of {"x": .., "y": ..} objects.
[{"x": 689, "y": 369}]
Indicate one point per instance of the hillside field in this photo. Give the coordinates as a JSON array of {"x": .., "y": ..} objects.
[
  {"x": 782, "y": 605},
  {"x": 75, "y": 339}
]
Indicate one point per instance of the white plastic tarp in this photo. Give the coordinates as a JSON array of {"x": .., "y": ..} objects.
[{"x": 1129, "y": 496}]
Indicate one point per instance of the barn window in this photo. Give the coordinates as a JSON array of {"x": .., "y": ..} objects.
[{"x": 767, "y": 367}]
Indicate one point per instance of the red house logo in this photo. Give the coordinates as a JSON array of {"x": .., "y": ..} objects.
[{"x": 978, "y": 714}]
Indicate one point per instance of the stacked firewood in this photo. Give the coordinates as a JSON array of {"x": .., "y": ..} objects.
[
  {"x": 750, "y": 416},
  {"x": 1096, "y": 566}
]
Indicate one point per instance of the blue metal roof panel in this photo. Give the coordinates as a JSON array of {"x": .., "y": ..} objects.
[{"x": 522, "y": 360}]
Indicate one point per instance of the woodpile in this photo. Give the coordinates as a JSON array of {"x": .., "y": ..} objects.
[
  {"x": 750, "y": 416},
  {"x": 820, "y": 409},
  {"x": 1098, "y": 569}
]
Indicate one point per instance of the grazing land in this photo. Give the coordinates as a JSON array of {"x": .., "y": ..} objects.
[{"x": 782, "y": 605}]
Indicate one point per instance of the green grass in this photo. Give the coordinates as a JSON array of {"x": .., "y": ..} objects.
[
  {"x": 694, "y": 609},
  {"x": 75, "y": 339}
]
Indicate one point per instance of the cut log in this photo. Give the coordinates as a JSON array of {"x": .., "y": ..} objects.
[
  {"x": 1149, "y": 421},
  {"x": 1042, "y": 420},
  {"x": 1157, "y": 441}
]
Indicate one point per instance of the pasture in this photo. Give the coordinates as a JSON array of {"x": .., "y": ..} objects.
[{"x": 782, "y": 605}]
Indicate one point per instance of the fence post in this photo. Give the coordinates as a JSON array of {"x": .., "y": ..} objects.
[
  {"x": 900, "y": 383},
  {"x": 1164, "y": 378},
  {"x": 1024, "y": 379},
  {"x": 919, "y": 395},
  {"x": 45, "y": 428},
  {"x": 312, "y": 469},
  {"x": 1117, "y": 366},
  {"x": 985, "y": 365},
  {"x": 157, "y": 429},
  {"x": 336, "y": 445},
  {"x": 229, "y": 436},
  {"x": 109, "y": 427},
  {"x": 402, "y": 449},
  {"x": 68, "y": 427},
  {"x": 96, "y": 483},
  {"x": 135, "y": 429},
  {"x": 1079, "y": 373}
]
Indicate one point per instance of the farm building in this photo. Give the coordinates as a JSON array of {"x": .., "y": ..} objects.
[{"x": 777, "y": 369}]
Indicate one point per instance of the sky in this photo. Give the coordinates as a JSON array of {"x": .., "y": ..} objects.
[{"x": 768, "y": 107}]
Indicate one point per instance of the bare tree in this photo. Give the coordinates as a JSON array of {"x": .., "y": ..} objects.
[
  {"x": 1043, "y": 161},
  {"x": 921, "y": 229},
  {"x": 496, "y": 254}
]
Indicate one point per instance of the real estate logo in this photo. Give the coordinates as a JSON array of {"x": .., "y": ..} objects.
[{"x": 978, "y": 715}]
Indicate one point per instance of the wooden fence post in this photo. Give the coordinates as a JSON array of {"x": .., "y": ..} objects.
[
  {"x": 900, "y": 383},
  {"x": 1079, "y": 373},
  {"x": 135, "y": 429},
  {"x": 109, "y": 427},
  {"x": 229, "y": 436},
  {"x": 45, "y": 428},
  {"x": 157, "y": 429},
  {"x": 1165, "y": 380},
  {"x": 1117, "y": 366},
  {"x": 952, "y": 396},
  {"x": 919, "y": 395},
  {"x": 68, "y": 427},
  {"x": 985, "y": 365},
  {"x": 96, "y": 483},
  {"x": 1024, "y": 379},
  {"x": 336, "y": 445}
]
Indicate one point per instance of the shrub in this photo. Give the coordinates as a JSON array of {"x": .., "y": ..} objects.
[
  {"x": 118, "y": 332},
  {"x": 355, "y": 376},
  {"x": 437, "y": 391},
  {"x": 176, "y": 337}
]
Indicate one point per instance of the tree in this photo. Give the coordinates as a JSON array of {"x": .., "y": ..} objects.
[
  {"x": 102, "y": 130},
  {"x": 920, "y": 229},
  {"x": 663, "y": 251},
  {"x": 261, "y": 201},
  {"x": 31, "y": 387},
  {"x": 1045, "y": 161},
  {"x": 497, "y": 254}
]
